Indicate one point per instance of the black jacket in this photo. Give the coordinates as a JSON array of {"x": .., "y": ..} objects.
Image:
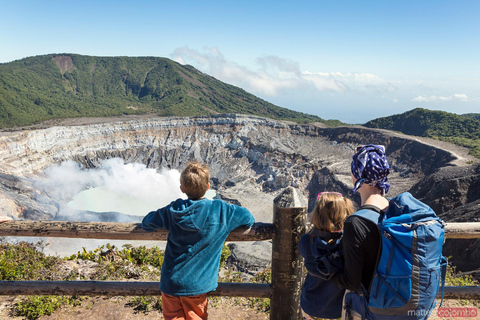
[{"x": 360, "y": 246}]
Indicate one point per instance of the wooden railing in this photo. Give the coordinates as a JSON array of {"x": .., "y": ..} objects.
[{"x": 289, "y": 224}]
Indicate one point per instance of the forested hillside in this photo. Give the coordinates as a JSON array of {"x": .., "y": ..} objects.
[
  {"x": 459, "y": 129},
  {"x": 69, "y": 85},
  {"x": 473, "y": 115}
]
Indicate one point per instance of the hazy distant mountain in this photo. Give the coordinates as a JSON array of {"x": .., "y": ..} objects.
[
  {"x": 459, "y": 129},
  {"x": 69, "y": 85}
]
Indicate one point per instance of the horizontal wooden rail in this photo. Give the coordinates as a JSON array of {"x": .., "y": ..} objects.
[
  {"x": 113, "y": 231},
  {"x": 143, "y": 288},
  {"x": 122, "y": 288},
  {"x": 133, "y": 231},
  {"x": 466, "y": 292},
  {"x": 462, "y": 230}
]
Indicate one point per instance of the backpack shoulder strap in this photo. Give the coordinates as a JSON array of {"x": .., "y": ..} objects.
[{"x": 371, "y": 213}]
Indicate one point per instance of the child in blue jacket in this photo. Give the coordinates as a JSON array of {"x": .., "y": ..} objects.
[
  {"x": 198, "y": 228},
  {"x": 320, "y": 248}
]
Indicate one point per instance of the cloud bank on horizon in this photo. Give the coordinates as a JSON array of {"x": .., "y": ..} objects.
[
  {"x": 276, "y": 74},
  {"x": 366, "y": 96}
]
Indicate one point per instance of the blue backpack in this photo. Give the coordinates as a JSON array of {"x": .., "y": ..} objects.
[{"x": 410, "y": 265}]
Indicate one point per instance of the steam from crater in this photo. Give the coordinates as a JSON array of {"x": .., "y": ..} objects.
[{"x": 114, "y": 186}]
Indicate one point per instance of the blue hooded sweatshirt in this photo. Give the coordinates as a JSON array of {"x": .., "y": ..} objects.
[
  {"x": 320, "y": 297},
  {"x": 197, "y": 230}
]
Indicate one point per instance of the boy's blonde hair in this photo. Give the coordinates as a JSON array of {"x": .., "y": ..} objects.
[
  {"x": 330, "y": 212},
  {"x": 194, "y": 179}
]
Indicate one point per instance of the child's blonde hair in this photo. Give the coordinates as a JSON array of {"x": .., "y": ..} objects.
[
  {"x": 330, "y": 212},
  {"x": 194, "y": 179}
]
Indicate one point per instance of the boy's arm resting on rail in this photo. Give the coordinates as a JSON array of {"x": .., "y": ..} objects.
[
  {"x": 239, "y": 217},
  {"x": 155, "y": 220}
]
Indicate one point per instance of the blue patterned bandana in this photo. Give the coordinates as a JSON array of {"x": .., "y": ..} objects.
[{"x": 370, "y": 166}]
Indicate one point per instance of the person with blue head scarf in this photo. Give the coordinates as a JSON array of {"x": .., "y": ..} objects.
[
  {"x": 370, "y": 166},
  {"x": 361, "y": 238}
]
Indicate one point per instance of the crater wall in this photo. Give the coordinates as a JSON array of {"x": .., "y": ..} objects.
[{"x": 251, "y": 158}]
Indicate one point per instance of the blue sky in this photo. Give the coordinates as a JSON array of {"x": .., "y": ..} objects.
[{"x": 347, "y": 60}]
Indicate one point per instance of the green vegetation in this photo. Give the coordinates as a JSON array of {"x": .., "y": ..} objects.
[
  {"x": 458, "y": 279},
  {"x": 472, "y": 115},
  {"x": 261, "y": 304},
  {"x": 69, "y": 85},
  {"x": 34, "y": 307},
  {"x": 25, "y": 261},
  {"x": 460, "y": 130},
  {"x": 106, "y": 254},
  {"x": 454, "y": 278}
]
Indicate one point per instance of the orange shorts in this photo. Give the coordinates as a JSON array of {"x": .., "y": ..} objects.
[{"x": 184, "y": 307}]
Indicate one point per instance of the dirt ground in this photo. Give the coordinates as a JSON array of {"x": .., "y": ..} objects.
[{"x": 116, "y": 308}]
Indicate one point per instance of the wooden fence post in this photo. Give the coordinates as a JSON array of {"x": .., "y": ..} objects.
[{"x": 289, "y": 219}]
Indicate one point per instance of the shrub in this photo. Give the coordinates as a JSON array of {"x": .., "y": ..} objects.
[
  {"x": 458, "y": 279},
  {"x": 33, "y": 307},
  {"x": 23, "y": 261},
  {"x": 261, "y": 304}
]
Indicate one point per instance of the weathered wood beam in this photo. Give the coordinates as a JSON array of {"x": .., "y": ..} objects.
[
  {"x": 121, "y": 288},
  {"x": 113, "y": 231},
  {"x": 462, "y": 230},
  {"x": 289, "y": 218},
  {"x": 466, "y": 293},
  {"x": 141, "y": 288},
  {"x": 133, "y": 231}
]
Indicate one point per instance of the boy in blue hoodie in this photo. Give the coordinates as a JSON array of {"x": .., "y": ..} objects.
[{"x": 198, "y": 228}]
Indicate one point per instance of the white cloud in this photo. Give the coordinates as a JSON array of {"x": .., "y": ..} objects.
[
  {"x": 456, "y": 97},
  {"x": 363, "y": 83},
  {"x": 348, "y": 96},
  {"x": 276, "y": 75}
]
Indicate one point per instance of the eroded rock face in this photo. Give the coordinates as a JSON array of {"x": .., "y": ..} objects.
[
  {"x": 251, "y": 158},
  {"x": 451, "y": 190},
  {"x": 250, "y": 258}
]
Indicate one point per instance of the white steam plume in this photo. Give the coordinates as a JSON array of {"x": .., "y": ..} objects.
[{"x": 119, "y": 187}]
